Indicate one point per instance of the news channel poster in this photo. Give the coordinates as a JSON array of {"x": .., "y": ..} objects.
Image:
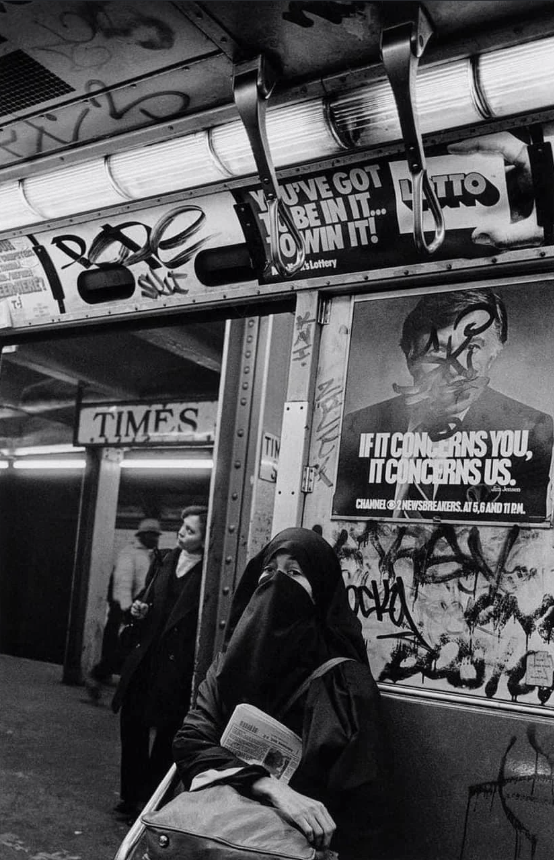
[{"x": 448, "y": 407}]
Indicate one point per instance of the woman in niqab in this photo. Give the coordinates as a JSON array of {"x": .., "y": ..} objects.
[{"x": 290, "y": 614}]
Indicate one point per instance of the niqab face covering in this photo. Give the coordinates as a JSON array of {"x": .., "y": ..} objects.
[
  {"x": 276, "y": 635},
  {"x": 275, "y": 645}
]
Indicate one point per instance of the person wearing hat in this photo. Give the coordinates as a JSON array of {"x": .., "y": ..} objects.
[
  {"x": 126, "y": 582},
  {"x": 154, "y": 689}
]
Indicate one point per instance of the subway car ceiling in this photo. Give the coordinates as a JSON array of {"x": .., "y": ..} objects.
[
  {"x": 108, "y": 105},
  {"x": 82, "y": 81},
  {"x": 127, "y": 178},
  {"x": 81, "y": 73}
]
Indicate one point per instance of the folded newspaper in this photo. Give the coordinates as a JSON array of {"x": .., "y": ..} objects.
[{"x": 257, "y": 738}]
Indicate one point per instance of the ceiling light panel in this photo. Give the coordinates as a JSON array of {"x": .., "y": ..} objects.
[
  {"x": 164, "y": 167},
  {"x": 518, "y": 79},
  {"x": 74, "y": 189}
]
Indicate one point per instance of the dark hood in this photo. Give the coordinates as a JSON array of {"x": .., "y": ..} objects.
[{"x": 276, "y": 635}]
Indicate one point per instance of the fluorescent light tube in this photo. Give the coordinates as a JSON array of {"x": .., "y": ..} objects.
[
  {"x": 167, "y": 464},
  {"x": 165, "y": 167},
  {"x": 518, "y": 79},
  {"x": 367, "y": 116},
  {"x": 14, "y": 211},
  {"x": 45, "y": 465},
  {"x": 74, "y": 189},
  {"x": 295, "y": 133},
  {"x": 509, "y": 81},
  {"x": 46, "y": 449}
]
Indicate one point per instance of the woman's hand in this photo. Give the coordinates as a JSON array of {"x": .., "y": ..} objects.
[
  {"x": 139, "y": 610},
  {"x": 309, "y": 815}
]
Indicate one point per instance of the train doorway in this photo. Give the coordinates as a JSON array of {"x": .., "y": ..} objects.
[
  {"x": 74, "y": 492},
  {"x": 42, "y": 386}
]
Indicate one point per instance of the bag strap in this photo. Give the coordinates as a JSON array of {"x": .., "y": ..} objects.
[
  {"x": 156, "y": 565},
  {"x": 154, "y": 568},
  {"x": 317, "y": 673}
]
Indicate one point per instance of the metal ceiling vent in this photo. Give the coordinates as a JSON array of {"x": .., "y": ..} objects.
[{"x": 25, "y": 83}]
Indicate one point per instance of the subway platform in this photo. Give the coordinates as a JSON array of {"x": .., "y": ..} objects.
[{"x": 59, "y": 768}]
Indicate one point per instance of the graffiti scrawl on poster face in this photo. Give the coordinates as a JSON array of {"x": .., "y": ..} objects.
[{"x": 448, "y": 408}]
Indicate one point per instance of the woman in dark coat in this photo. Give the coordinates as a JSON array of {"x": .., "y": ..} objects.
[
  {"x": 290, "y": 614},
  {"x": 155, "y": 686}
]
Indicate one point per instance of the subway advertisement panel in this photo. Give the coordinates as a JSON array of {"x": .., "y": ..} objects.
[
  {"x": 353, "y": 219},
  {"x": 360, "y": 216},
  {"x": 447, "y": 555},
  {"x": 448, "y": 408},
  {"x": 148, "y": 255}
]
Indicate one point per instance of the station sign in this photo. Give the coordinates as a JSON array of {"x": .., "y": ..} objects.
[{"x": 146, "y": 424}]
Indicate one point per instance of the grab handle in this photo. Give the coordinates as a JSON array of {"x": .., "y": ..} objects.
[
  {"x": 253, "y": 83},
  {"x": 401, "y": 47},
  {"x": 278, "y": 210},
  {"x": 422, "y": 185}
]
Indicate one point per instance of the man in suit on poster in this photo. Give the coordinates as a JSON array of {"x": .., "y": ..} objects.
[{"x": 450, "y": 341}]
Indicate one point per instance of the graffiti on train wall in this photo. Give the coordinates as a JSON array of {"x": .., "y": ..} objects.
[
  {"x": 104, "y": 112},
  {"x": 328, "y": 408},
  {"x": 72, "y": 33},
  {"x": 93, "y": 35},
  {"x": 303, "y": 341},
  {"x": 41, "y": 274},
  {"x": 514, "y": 810},
  {"x": 465, "y": 609},
  {"x": 100, "y": 55}
]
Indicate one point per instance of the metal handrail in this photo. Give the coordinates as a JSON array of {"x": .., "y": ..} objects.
[{"x": 133, "y": 837}]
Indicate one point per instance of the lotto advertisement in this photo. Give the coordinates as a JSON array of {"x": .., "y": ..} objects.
[{"x": 360, "y": 217}]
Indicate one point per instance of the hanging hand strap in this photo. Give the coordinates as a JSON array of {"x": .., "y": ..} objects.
[
  {"x": 253, "y": 82},
  {"x": 402, "y": 46},
  {"x": 317, "y": 673}
]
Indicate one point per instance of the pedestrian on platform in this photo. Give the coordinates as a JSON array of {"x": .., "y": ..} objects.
[
  {"x": 156, "y": 680},
  {"x": 126, "y": 582}
]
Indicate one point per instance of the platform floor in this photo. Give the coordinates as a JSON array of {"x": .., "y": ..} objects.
[{"x": 59, "y": 768}]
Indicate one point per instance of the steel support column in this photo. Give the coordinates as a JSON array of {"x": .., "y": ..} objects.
[
  {"x": 93, "y": 561},
  {"x": 297, "y": 416}
]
